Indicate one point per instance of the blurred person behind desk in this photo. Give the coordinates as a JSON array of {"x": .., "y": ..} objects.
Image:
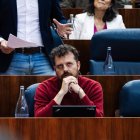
[
  {"x": 29, "y": 20},
  {"x": 74, "y": 3},
  {"x": 67, "y": 87},
  {"x": 100, "y": 15}
]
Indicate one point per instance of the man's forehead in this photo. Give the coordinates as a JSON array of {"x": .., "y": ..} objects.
[
  {"x": 67, "y": 57},
  {"x": 69, "y": 54}
]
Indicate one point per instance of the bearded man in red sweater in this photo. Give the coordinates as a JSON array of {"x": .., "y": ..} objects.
[{"x": 67, "y": 87}]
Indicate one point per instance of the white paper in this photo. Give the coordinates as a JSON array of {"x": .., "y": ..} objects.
[{"x": 14, "y": 42}]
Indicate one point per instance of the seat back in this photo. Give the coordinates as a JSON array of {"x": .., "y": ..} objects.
[
  {"x": 29, "y": 95},
  {"x": 121, "y": 68},
  {"x": 129, "y": 99},
  {"x": 125, "y": 44}
]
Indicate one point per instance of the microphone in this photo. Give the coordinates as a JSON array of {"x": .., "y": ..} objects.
[{"x": 71, "y": 20}]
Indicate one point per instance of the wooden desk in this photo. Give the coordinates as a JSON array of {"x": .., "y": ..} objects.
[
  {"x": 9, "y": 91},
  {"x": 130, "y": 16},
  {"x": 70, "y": 128},
  {"x": 83, "y": 46},
  {"x": 68, "y": 11}
]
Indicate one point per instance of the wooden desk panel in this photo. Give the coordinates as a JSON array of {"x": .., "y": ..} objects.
[
  {"x": 68, "y": 11},
  {"x": 9, "y": 91},
  {"x": 83, "y": 46},
  {"x": 130, "y": 16},
  {"x": 71, "y": 128}
]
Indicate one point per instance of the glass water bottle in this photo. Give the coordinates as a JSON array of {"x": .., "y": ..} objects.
[
  {"x": 108, "y": 67},
  {"x": 21, "y": 106}
]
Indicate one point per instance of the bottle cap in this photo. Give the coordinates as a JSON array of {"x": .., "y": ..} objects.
[
  {"x": 21, "y": 87},
  {"x": 108, "y": 48},
  {"x": 71, "y": 15}
]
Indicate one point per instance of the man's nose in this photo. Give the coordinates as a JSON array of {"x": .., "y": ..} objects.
[{"x": 65, "y": 68}]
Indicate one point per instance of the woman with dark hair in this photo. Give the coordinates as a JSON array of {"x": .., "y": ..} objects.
[{"x": 100, "y": 15}]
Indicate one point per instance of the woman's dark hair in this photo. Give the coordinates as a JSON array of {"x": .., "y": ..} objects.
[
  {"x": 110, "y": 13},
  {"x": 62, "y": 50}
]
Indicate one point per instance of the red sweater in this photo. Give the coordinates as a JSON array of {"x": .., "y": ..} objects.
[{"x": 48, "y": 89}]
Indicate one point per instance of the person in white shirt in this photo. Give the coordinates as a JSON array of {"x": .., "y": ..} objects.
[
  {"x": 29, "y": 20},
  {"x": 100, "y": 15}
]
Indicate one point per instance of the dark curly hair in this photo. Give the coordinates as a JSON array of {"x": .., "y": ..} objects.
[
  {"x": 62, "y": 50},
  {"x": 110, "y": 13}
]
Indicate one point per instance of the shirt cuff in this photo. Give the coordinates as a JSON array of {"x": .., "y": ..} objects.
[{"x": 1, "y": 39}]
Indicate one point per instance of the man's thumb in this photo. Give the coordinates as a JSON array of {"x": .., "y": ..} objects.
[{"x": 56, "y": 22}]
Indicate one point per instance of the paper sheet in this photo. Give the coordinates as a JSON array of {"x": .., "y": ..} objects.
[{"x": 14, "y": 42}]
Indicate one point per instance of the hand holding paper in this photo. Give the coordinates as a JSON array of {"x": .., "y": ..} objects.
[{"x": 4, "y": 48}]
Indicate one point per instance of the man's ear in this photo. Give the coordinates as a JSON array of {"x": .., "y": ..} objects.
[{"x": 78, "y": 65}]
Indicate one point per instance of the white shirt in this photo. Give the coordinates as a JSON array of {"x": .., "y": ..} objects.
[
  {"x": 28, "y": 21},
  {"x": 84, "y": 26}
]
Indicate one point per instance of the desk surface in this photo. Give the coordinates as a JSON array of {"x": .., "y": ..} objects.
[{"x": 70, "y": 128}]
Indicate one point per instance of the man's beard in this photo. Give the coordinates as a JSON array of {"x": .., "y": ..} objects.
[{"x": 65, "y": 74}]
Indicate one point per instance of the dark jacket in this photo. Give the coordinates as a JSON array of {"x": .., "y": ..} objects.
[{"x": 48, "y": 9}]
